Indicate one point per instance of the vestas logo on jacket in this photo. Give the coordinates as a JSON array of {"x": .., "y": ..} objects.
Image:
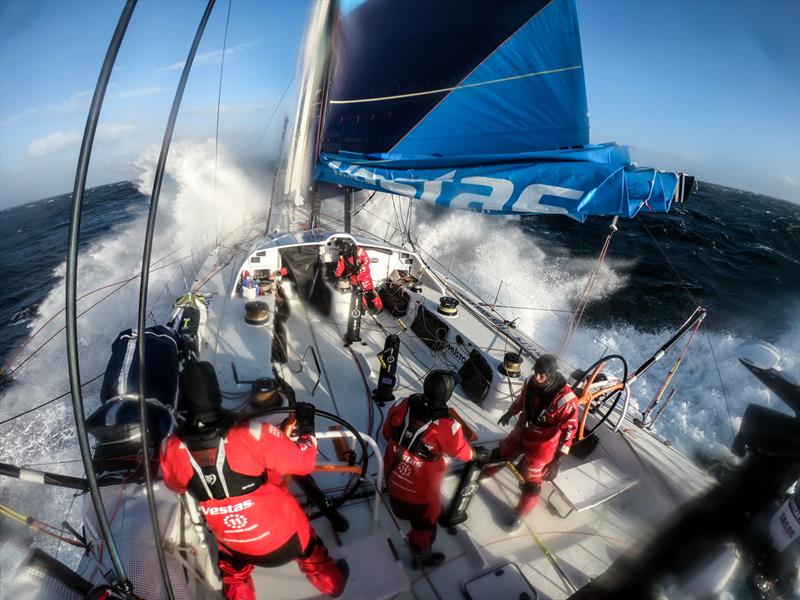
[{"x": 224, "y": 510}]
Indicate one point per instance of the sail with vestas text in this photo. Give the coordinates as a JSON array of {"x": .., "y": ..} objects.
[{"x": 474, "y": 106}]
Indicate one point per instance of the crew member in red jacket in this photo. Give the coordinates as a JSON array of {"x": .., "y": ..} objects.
[
  {"x": 354, "y": 263},
  {"x": 543, "y": 434},
  {"x": 234, "y": 471},
  {"x": 420, "y": 432}
]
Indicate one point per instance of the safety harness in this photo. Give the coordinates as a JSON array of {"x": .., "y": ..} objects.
[
  {"x": 409, "y": 437},
  {"x": 535, "y": 417},
  {"x": 213, "y": 477}
]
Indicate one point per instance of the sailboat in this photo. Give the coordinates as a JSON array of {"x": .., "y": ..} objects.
[{"x": 467, "y": 108}]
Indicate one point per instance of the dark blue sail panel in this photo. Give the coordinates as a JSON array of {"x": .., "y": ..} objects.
[
  {"x": 595, "y": 180},
  {"x": 529, "y": 94},
  {"x": 394, "y": 63}
]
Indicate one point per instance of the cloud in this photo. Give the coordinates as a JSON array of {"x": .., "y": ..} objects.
[
  {"x": 212, "y": 58},
  {"x": 111, "y": 131},
  {"x": 58, "y": 141},
  {"x": 789, "y": 180},
  {"x": 53, "y": 143},
  {"x": 140, "y": 92},
  {"x": 77, "y": 102}
]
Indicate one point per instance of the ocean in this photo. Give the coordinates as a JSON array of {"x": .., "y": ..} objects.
[{"x": 735, "y": 253}]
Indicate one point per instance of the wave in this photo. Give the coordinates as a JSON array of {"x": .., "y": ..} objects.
[{"x": 191, "y": 217}]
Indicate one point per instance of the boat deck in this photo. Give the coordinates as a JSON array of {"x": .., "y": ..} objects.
[{"x": 556, "y": 554}]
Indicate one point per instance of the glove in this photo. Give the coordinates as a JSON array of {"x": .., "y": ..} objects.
[
  {"x": 305, "y": 412},
  {"x": 552, "y": 469},
  {"x": 504, "y": 419},
  {"x": 480, "y": 454}
]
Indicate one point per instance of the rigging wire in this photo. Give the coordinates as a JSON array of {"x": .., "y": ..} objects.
[
  {"x": 219, "y": 102},
  {"x": 64, "y": 523},
  {"x": 145, "y": 273},
  {"x": 275, "y": 110},
  {"x": 7, "y": 370},
  {"x": 708, "y": 338},
  {"x": 360, "y": 208},
  {"x": 122, "y": 583},
  {"x": 35, "y": 408}
]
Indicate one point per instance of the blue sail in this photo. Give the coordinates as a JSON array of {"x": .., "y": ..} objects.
[{"x": 476, "y": 107}]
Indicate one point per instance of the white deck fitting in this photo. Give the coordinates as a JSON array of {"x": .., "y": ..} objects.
[
  {"x": 583, "y": 544},
  {"x": 589, "y": 484}
]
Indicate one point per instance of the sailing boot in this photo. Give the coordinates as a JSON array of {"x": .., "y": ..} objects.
[
  {"x": 420, "y": 541},
  {"x": 237, "y": 580},
  {"x": 527, "y": 502},
  {"x": 426, "y": 559},
  {"x": 327, "y": 576}
]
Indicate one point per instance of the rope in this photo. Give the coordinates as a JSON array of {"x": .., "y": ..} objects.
[
  {"x": 671, "y": 373},
  {"x": 39, "y": 526},
  {"x": 583, "y": 302},
  {"x": 360, "y": 208}
]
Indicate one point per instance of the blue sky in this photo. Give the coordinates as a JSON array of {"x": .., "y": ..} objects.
[{"x": 709, "y": 87}]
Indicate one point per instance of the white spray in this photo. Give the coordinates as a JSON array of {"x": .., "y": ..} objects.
[{"x": 194, "y": 211}]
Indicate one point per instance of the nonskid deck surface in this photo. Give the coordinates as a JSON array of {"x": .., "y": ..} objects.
[{"x": 557, "y": 555}]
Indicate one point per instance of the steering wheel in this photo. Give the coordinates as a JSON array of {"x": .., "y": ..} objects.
[
  {"x": 357, "y": 471},
  {"x": 597, "y": 396}
]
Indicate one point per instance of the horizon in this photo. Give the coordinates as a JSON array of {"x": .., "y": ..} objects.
[
  {"x": 733, "y": 120},
  {"x": 133, "y": 183}
]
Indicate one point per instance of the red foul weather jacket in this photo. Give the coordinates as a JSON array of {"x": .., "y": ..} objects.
[
  {"x": 541, "y": 431},
  {"x": 357, "y": 270},
  {"x": 256, "y": 522},
  {"x": 414, "y": 471}
]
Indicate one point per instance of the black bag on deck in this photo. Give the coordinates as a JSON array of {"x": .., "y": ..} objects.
[
  {"x": 395, "y": 299},
  {"x": 476, "y": 377},
  {"x": 117, "y": 419}
]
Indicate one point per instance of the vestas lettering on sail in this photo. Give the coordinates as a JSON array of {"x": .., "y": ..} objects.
[{"x": 463, "y": 188}]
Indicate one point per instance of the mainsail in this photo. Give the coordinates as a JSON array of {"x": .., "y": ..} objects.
[{"x": 474, "y": 107}]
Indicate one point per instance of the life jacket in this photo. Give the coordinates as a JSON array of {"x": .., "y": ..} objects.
[
  {"x": 213, "y": 477},
  {"x": 408, "y": 435}
]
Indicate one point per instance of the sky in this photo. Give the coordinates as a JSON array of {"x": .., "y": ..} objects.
[{"x": 707, "y": 87}]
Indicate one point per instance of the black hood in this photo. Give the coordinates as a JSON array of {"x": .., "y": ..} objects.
[
  {"x": 439, "y": 386},
  {"x": 548, "y": 390},
  {"x": 546, "y": 364},
  {"x": 200, "y": 393},
  {"x": 437, "y": 390}
]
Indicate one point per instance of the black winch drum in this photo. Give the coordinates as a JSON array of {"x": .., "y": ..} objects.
[
  {"x": 448, "y": 306},
  {"x": 266, "y": 393},
  {"x": 256, "y": 312},
  {"x": 512, "y": 365}
]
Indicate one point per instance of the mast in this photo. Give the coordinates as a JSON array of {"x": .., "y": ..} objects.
[{"x": 316, "y": 63}]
